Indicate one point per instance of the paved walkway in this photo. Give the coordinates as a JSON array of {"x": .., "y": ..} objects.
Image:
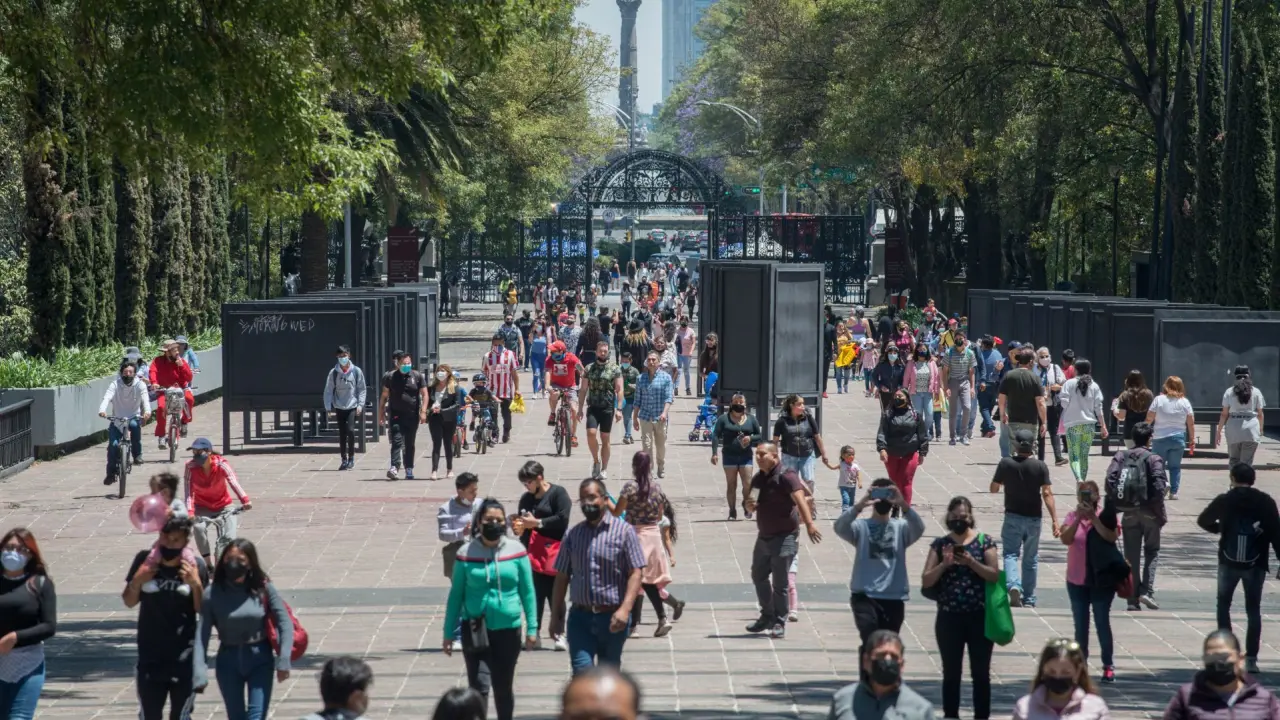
[{"x": 358, "y": 558}]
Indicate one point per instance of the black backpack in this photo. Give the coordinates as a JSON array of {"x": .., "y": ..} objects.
[
  {"x": 1241, "y": 544},
  {"x": 1132, "y": 488}
]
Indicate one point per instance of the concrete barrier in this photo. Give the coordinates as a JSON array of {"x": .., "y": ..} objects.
[{"x": 67, "y": 416}]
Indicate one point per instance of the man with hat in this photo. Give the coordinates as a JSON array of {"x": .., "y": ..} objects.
[
  {"x": 209, "y": 483},
  {"x": 1026, "y": 484},
  {"x": 170, "y": 370}
]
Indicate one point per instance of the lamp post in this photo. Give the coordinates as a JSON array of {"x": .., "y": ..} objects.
[
  {"x": 1115, "y": 226},
  {"x": 750, "y": 121}
]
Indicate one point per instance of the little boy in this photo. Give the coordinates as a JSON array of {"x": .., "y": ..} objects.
[
  {"x": 454, "y": 520},
  {"x": 166, "y": 486}
]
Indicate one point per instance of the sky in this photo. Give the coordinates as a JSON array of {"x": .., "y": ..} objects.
[{"x": 603, "y": 17}]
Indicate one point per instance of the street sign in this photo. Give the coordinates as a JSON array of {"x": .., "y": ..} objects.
[
  {"x": 609, "y": 216},
  {"x": 895, "y": 259}
]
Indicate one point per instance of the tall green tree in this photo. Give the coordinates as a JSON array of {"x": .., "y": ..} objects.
[
  {"x": 1210, "y": 145},
  {"x": 82, "y": 312},
  {"x": 1182, "y": 178},
  {"x": 166, "y": 299},
  {"x": 46, "y": 232},
  {"x": 1234, "y": 161},
  {"x": 201, "y": 245},
  {"x": 133, "y": 252},
  {"x": 103, "y": 195},
  {"x": 1258, "y": 189}
]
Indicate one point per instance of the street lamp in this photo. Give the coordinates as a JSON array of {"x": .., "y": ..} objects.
[{"x": 750, "y": 121}]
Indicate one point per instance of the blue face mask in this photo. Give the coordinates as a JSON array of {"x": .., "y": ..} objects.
[
  {"x": 12, "y": 560},
  {"x": 406, "y": 369},
  {"x": 625, "y": 365},
  {"x": 558, "y": 357},
  {"x": 344, "y": 361}
]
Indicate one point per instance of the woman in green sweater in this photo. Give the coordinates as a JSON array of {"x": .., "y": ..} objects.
[{"x": 492, "y": 589}]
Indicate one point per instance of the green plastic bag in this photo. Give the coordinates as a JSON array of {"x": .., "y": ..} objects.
[{"x": 999, "y": 619}]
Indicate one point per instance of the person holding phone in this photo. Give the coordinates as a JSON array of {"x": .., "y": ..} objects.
[
  {"x": 879, "y": 585},
  {"x": 903, "y": 442},
  {"x": 1081, "y": 590}
]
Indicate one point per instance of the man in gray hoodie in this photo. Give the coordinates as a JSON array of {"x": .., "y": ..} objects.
[{"x": 882, "y": 694}]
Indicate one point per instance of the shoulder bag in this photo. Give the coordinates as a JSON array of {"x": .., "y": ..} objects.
[{"x": 273, "y": 633}]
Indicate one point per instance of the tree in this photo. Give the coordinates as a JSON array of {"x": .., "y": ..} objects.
[
  {"x": 1234, "y": 161},
  {"x": 1258, "y": 196},
  {"x": 45, "y": 230},
  {"x": 103, "y": 197},
  {"x": 82, "y": 311},
  {"x": 165, "y": 278},
  {"x": 1210, "y": 143},
  {"x": 1182, "y": 179}
]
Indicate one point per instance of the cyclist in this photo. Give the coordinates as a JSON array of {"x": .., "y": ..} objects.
[
  {"x": 126, "y": 398},
  {"x": 601, "y": 405},
  {"x": 480, "y": 393},
  {"x": 208, "y": 485},
  {"x": 563, "y": 370},
  {"x": 170, "y": 370}
]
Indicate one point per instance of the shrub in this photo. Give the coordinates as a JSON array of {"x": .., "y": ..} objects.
[{"x": 73, "y": 366}]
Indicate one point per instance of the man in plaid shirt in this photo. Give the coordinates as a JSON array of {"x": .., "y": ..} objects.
[
  {"x": 653, "y": 400},
  {"x": 501, "y": 366}
]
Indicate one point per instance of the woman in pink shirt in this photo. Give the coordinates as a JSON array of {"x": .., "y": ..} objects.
[
  {"x": 1062, "y": 689},
  {"x": 1080, "y": 589},
  {"x": 905, "y": 341}
]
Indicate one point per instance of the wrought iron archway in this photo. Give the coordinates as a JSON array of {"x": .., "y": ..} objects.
[{"x": 651, "y": 178}]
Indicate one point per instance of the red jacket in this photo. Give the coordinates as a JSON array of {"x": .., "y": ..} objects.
[
  {"x": 211, "y": 489},
  {"x": 166, "y": 373}
]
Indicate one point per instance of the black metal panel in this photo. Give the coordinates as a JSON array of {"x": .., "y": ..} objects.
[
  {"x": 797, "y": 329},
  {"x": 1022, "y": 319},
  {"x": 980, "y": 313},
  {"x": 1002, "y": 318},
  {"x": 1203, "y": 348},
  {"x": 1058, "y": 325}
]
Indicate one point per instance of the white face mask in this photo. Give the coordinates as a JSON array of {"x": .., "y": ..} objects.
[
  {"x": 441, "y": 376},
  {"x": 1044, "y": 362}
]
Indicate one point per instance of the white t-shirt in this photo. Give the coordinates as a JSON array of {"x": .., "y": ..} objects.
[
  {"x": 1171, "y": 416},
  {"x": 848, "y": 475},
  {"x": 1242, "y": 419}
]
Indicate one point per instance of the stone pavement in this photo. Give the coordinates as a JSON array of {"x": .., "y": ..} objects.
[{"x": 358, "y": 558}]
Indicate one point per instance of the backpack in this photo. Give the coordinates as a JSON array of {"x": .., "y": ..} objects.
[
  {"x": 1132, "y": 487},
  {"x": 1241, "y": 544}
]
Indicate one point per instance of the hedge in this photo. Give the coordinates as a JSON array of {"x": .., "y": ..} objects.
[{"x": 73, "y": 366}]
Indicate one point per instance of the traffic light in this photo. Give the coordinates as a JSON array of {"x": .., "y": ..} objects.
[{"x": 751, "y": 189}]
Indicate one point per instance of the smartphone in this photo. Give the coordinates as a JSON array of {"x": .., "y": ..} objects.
[{"x": 881, "y": 493}]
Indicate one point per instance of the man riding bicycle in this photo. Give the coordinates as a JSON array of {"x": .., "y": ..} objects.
[
  {"x": 170, "y": 370},
  {"x": 208, "y": 486},
  {"x": 563, "y": 370},
  {"x": 125, "y": 398}
]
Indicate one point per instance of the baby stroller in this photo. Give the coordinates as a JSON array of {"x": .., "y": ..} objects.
[{"x": 708, "y": 411}]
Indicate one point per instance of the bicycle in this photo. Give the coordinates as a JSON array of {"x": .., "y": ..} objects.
[
  {"x": 175, "y": 401},
  {"x": 220, "y": 523},
  {"x": 459, "y": 439},
  {"x": 125, "y": 462},
  {"x": 563, "y": 424},
  {"x": 487, "y": 428}
]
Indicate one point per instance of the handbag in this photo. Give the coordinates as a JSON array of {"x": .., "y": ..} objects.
[
  {"x": 934, "y": 591},
  {"x": 477, "y": 635},
  {"x": 300, "y": 638},
  {"x": 999, "y": 616},
  {"x": 543, "y": 552}
]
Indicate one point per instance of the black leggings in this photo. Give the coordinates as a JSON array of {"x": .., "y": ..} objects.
[
  {"x": 543, "y": 585},
  {"x": 954, "y": 631},
  {"x": 155, "y": 687},
  {"x": 346, "y": 438},
  {"x": 655, "y": 599},
  {"x": 441, "y": 435},
  {"x": 494, "y": 669}
]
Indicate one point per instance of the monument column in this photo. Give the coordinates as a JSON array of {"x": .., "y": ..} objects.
[{"x": 628, "y": 82}]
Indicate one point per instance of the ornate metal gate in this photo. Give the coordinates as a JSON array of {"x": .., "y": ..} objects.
[
  {"x": 549, "y": 247},
  {"x": 836, "y": 241}
]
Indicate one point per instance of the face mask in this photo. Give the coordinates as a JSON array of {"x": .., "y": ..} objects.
[
  {"x": 602, "y": 359},
  {"x": 406, "y": 369},
  {"x": 464, "y": 502},
  {"x": 1044, "y": 362},
  {"x": 893, "y": 357},
  {"x": 13, "y": 560},
  {"x": 200, "y": 457},
  {"x": 558, "y": 357},
  {"x": 236, "y": 570},
  {"x": 885, "y": 671},
  {"x": 958, "y": 525},
  {"x": 899, "y": 401},
  {"x": 344, "y": 361},
  {"x": 738, "y": 408},
  {"x": 1058, "y": 685},
  {"x": 625, "y": 365},
  {"x": 126, "y": 379},
  {"x": 492, "y": 531},
  {"x": 507, "y": 322},
  {"x": 168, "y": 554},
  {"x": 882, "y": 507},
  {"x": 442, "y": 376},
  {"x": 592, "y": 512},
  {"x": 1219, "y": 672}
]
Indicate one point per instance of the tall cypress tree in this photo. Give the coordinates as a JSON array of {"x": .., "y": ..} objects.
[
  {"x": 134, "y": 243},
  {"x": 1258, "y": 198},
  {"x": 1210, "y": 145},
  {"x": 165, "y": 301},
  {"x": 45, "y": 229},
  {"x": 103, "y": 194},
  {"x": 220, "y": 251},
  {"x": 201, "y": 235},
  {"x": 1230, "y": 291},
  {"x": 82, "y": 312},
  {"x": 1182, "y": 179}
]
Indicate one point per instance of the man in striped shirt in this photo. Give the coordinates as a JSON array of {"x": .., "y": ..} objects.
[
  {"x": 501, "y": 366},
  {"x": 599, "y": 565}
]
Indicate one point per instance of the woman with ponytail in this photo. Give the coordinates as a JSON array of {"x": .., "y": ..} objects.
[
  {"x": 1241, "y": 420},
  {"x": 1081, "y": 400}
]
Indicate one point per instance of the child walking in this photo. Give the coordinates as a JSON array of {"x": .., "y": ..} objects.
[
  {"x": 668, "y": 527},
  {"x": 870, "y": 356},
  {"x": 850, "y": 478},
  {"x": 939, "y": 409}
]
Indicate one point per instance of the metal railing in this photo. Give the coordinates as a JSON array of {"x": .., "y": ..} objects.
[{"x": 16, "y": 449}]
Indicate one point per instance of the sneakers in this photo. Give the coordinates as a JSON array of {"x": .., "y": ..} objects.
[
  {"x": 1251, "y": 666},
  {"x": 661, "y": 473},
  {"x": 137, "y": 460},
  {"x": 1149, "y": 602},
  {"x": 457, "y": 646},
  {"x": 1060, "y": 462},
  {"x": 677, "y": 609},
  {"x": 733, "y": 513},
  {"x": 964, "y": 440},
  {"x": 347, "y": 464},
  {"x": 778, "y": 631},
  {"x": 393, "y": 473},
  {"x": 551, "y": 420},
  {"x": 952, "y": 441},
  {"x": 183, "y": 430},
  {"x": 793, "y": 616},
  {"x": 562, "y": 645},
  {"x": 1132, "y": 607},
  {"x": 506, "y": 438},
  {"x": 1015, "y": 597},
  {"x": 604, "y": 474},
  {"x": 626, "y": 440},
  {"x": 761, "y": 624},
  {"x": 164, "y": 443},
  {"x": 595, "y": 470},
  {"x": 408, "y": 473},
  {"x": 110, "y": 479},
  {"x": 664, "y": 628},
  {"x": 1109, "y": 674}
]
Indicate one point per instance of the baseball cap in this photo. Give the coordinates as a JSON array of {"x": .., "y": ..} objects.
[
  {"x": 1024, "y": 440},
  {"x": 497, "y": 336},
  {"x": 1014, "y": 345},
  {"x": 201, "y": 443},
  {"x": 953, "y": 321},
  {"x": 181, "y": 340}
]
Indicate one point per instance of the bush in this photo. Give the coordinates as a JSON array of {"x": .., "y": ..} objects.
[
  {"x": 15, "y": 316},
  {"x": 913, "y": 315},
  {"x": 73, "y": 366}
]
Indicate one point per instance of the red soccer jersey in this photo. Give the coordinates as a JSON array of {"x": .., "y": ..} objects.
[{"x": 564, "y": 372}]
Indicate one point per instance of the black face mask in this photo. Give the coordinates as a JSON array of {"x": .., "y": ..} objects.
[
  {"x": 899, "y": 401},
  {"x": 602, "y": 359},
  {"x": 236, "y": 570},
  {"x": 168, "y": 554},
  {"x": 493, "y": 531},
  {"x": 958, "y": 525},
  {"x": 886, "y": 671},
  {"x": 592, "y": 512},
  {"x": 126, "y": 379},
  {"x": 882, "y": 507},
  {"x": 738, "y": 408},
  {"x": 1219, "y": 672},
  {"x": 1058, "y": 685}
]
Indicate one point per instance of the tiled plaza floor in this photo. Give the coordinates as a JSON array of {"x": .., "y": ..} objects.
[{"x": 358, "y": 558}]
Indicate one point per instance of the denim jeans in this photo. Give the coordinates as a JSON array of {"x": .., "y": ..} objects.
[
  {"x": 539, "y": 365},
  {"x": 1171, "y": 449},
  {"x": 847, "y": 499},
  {"x": 115, "y": 435},
  {"x": 922, "y": 402},
  {"x": 1253, "y": 579},
  {"x": 961, "y": 407},
  {"x": 590, "y": 640},
  {"x": 987, "y": 403},
  {"x": 802, "y": 465},
  {"x": 246, "y": 670},
  {"x": 842, "y": 378},
  {"x": 1020, "y": 537},
  {"x": 628, "y": 416},
  {"x": 18, "y": 700},
  {"x": 682, "y": 369},
  {"x": 866, "y": 378},
  {"x": 1083, "y": 599}
]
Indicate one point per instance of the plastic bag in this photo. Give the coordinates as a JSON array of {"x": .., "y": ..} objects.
[{"x": 517, "y": 403}]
